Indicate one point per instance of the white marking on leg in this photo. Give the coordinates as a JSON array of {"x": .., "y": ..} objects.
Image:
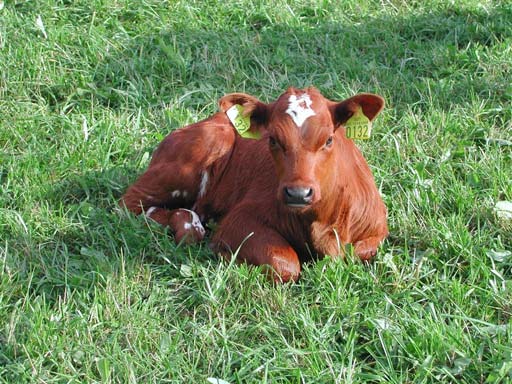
[
  {"x": 196, "y": 222},
  {"x": 175, "y": 193},
  {"x": 150, "y": 211},
  {"x": 299, "y": 108},
  {"x": 204, "y": 183}
]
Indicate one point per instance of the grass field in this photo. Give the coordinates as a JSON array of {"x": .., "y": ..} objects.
[{"x": 88, "y": 89}]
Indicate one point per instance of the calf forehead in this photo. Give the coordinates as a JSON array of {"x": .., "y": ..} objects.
[{"x": 302, "y": 113}]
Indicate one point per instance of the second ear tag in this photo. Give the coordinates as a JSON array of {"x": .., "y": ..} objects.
[
  {"x": 358, "y": 126},
  {"x": 241, "y": 123}
]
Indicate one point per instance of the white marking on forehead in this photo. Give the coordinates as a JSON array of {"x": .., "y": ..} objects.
[
  {"x": 204, "y": 183},
  {"x": 299, "y": 108},
  {"x": 196, "y": 222},
  {"x": 150, "y": 211}
]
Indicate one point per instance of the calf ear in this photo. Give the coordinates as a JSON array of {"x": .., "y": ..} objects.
[
  {"x": 370, "y": 104},
  {"x": 251, "y": 107}
]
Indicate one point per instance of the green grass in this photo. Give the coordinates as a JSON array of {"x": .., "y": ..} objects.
[{"x": 91, "y": 295}]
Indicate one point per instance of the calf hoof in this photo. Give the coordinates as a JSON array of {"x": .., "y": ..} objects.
[
  {"x": 364, "y": 251},
  {"x": 186, "y": 226},
  {"x": 282, "y": 270}
]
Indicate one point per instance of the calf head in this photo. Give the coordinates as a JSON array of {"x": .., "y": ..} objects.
[{"x": 302, "y": 130}]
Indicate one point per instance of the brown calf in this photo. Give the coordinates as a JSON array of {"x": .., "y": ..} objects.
[{"x": 301, "y": 191}]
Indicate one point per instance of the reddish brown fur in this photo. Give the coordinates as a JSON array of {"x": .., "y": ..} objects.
[{"x": 247, "y": 179}]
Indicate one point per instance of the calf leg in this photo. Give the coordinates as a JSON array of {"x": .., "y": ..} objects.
[
  {"x": 176, "y": 174},
  {"x": 257, "y": 245},
  {"x": 184, "y": 223},
  {"x": 169, "y": 185},
  {"x": 163, "y": 186}
]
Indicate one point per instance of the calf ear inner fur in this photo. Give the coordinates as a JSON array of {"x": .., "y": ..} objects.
[{"x": 370, "y": 104}]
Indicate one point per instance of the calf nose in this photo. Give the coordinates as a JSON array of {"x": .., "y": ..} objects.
[{"x": 298, "y": 196}]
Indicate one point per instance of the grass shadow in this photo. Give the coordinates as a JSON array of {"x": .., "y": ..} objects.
[
  {"x": 408, "y": 59},
  {"x": 89, "y": 241}
]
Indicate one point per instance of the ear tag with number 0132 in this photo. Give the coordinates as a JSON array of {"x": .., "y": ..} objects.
[
  {"x": 241, "y": 123},
  {"x": 358, "y": 126}
]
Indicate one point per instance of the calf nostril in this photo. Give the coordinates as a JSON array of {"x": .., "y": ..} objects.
[
  {"x": 309, "y": 192},
  {"x": 289, "y": 192}
]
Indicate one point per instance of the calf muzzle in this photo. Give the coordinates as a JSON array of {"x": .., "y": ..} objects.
[{"x": 298, "y": 196}]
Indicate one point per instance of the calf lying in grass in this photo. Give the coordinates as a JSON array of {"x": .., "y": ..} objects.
[{"x": 289, "y": 188}]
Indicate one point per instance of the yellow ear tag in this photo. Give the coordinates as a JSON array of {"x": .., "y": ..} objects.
[
  {"x": 241, "y": 123},
  {"x": 358, "y": 126}
]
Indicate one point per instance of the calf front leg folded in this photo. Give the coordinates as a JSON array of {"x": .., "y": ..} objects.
[
  {"x": 257, "y": 245},
  {"x": 366, "y": 249}
]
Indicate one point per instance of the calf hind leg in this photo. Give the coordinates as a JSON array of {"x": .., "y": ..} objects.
[
  {"x": 164, "y": 192},
  {"x": 163, "y": 185},
  {"x": 184, "y": 224},
  {"x": 176, "y": 175}
]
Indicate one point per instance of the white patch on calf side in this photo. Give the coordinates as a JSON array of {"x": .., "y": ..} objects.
[
  {"x": 299, "y": 108},
  {"x": 204, "y": 183},
  {"x": 150, "y": 211},
  {"x": 196, "y": 222}
]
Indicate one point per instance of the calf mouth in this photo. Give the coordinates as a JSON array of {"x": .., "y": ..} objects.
[
  {"x": 298, "y": 209},
  {"x": 297, "y": 206}
]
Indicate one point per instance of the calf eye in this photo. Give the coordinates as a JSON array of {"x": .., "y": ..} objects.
[
  {"x": 272, "y": 142},
  {"x": 328, "y": 143}
]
